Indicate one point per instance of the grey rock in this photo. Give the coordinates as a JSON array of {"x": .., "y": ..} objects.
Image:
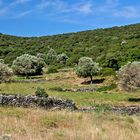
[{"x": 32, "y": 100}]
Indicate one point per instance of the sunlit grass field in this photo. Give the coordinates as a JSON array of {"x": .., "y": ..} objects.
[
  {"x": 70, "y": 80},
  {"x": 41, "y": 124}
]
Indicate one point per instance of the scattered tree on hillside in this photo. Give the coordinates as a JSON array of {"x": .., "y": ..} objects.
[
  {"x": 62, "y": 58},
  {"x": 27, "y": 65},
  {"x": 5, "y": 72},
  {"x": 51, "y": 56},
  {"x": 129, "y": 76},
  {"x": 87, "y": 68}
]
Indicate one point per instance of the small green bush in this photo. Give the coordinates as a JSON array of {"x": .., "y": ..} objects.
[
  {"x": 107, "y": 72},
  {"x": 40, "y": 92},
  {"x": 107, "y": 88},
  {"x": 56, "y": 89},
  {"x": 52, "y": 69}
]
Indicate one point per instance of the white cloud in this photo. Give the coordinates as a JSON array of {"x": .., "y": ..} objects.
[
  {"x": 22, "y": 14},
  {"x": 21, "y": 1},
  {"x": 55, "y": 4},
  {"x": 70, "y": 10},
  {"x": 65, "y": 7},
  {"x": 85, "y": 8},
  {"x": 7, "y": 9},
  {"x": 114, "y": 8},
  {"x": 128, "y": 12}
]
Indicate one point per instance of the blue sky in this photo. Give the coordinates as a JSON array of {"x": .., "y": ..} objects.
[{"x": 47, "y": 17}]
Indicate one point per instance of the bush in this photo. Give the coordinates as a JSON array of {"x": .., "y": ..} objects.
[
  {"x": 52, "y": 69},
  {"x": 56, "y": 89},
  {"x": 62, "y": 58},
  {"x": 27, "y": 65},
  {"x": 107, "y": 88},
  {"x": 51, "y": 57},
  {"x": 107, "y": 72},
  {"x": 129, "y": 76},
  {"x": 5, "y": 73},
  {"x": 40, "y": 92}
]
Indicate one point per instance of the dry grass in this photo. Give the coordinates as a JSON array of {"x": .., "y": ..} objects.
[
  {"x": 39, "y": 124},
  {"x": 72, "y": 79}
]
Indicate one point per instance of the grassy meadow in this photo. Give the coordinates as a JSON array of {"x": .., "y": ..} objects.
[
  {"x": 67, "y": 80},
  {"x": 40, "y": 124}
]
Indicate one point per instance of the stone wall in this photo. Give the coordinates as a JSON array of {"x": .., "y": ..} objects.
[
  {"x": 130, "y": 110},
  {"x": 35, "y": 101}
]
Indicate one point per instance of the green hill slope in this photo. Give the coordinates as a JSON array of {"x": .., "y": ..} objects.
[{"x": 110, "y": 47}]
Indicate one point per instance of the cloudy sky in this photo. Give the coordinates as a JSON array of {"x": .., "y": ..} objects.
[{"x": 47, "y": 17}]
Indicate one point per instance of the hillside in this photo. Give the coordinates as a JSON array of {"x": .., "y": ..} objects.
[{"x": 110, "y": 47}]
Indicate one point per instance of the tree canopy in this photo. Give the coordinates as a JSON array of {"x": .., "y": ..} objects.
[
  {"x": 27, "y": 65},
  {"x": 5, "y": 72},
  {"x": 87, "y": 68}
]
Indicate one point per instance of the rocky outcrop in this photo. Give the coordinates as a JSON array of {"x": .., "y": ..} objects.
[{"x": 35, "y": 101}]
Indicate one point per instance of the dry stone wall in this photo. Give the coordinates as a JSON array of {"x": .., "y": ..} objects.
[{"x": 35, "y": 101}]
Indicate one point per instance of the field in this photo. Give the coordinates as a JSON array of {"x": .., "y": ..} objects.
[
  {"x": 40, "y": 124},
  {"x": 106, "y": 94}
]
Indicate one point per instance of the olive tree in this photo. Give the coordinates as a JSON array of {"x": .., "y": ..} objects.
[
  {"x": 27, "y": 65},
  {"x": 87, "y": 68},
  {"x": 51, "y": 56},
  {"x": 129, "y": 76},
  {"x": 62, "y": 58},
  {"x": 5, "y": 72}
]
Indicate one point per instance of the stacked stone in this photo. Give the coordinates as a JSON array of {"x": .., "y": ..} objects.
[{"x": 33, "y": 101}]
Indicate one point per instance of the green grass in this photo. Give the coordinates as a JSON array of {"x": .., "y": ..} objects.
[
  {"x": 107, "y": 92},
  {"x": 81, "y": 98}
]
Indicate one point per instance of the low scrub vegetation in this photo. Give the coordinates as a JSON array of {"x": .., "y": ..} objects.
[
  {"x": 52, "y": 69},
  {"x": 129, "y": 76},
  {"x": 40, "y": 92},
  {"x": 5, "y": 72}
]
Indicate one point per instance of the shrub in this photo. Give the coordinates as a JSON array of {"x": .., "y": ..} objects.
[
  {"x": 52, "y": 69},
  {"x": 5, "y": 72},
  {"x": 107, "y": 72},
  {"x": 40, "y": 92},
  {"x": 129, "y": 76},
  {"x": 56, "y": 89},
  {"x": 27, "y": 65},
  {"x": 62, "y": 58},
  {"x": 51, "y": 57},
  {"x": 87, "y": 68},
  {"x": 107, "y": 88}
]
